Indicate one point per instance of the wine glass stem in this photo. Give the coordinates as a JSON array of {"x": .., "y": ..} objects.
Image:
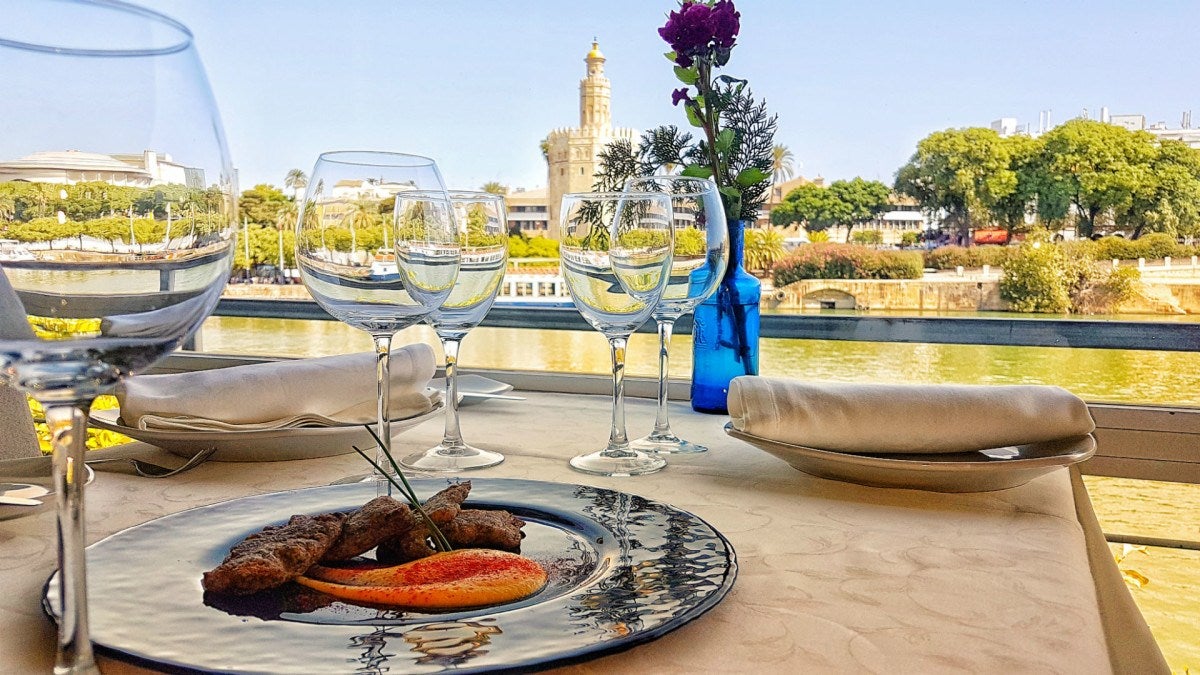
[
  {"x": 453, "y": 436},
  {"x": 617, "y": 440},
  {"x": 662, "y": 426},
  {"x": 68, "y": 434},
  {"x": 383, "y": 349}
]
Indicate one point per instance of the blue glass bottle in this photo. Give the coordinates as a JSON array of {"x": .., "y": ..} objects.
[{"x": 725, "y": 332}]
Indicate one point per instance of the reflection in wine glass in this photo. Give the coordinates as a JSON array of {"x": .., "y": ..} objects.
[
  {"x": 701, "y": 255},
  {"x": 97, "y": 283},
  {"x": 355, "y": 202},
  {"x": 482, "y": 232},
  {"x": 616, "y": 255}
]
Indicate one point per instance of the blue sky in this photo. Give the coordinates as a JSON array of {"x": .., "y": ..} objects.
[{"x": 856, "y": 84}]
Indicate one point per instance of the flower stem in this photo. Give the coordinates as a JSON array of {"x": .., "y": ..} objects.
[{"x": 439, "y": 540}]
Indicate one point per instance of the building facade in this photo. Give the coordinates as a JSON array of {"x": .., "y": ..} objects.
[
  {"x": 72, "y": 166},
  {"x": 571, "y": 160}
]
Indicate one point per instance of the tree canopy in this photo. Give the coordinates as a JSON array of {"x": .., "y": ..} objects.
[
  {"x": 845, "y": 202},
  {"x": 1087, "y": 172}
]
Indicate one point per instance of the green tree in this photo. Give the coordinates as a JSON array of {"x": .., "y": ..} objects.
[
  {"x": 1025, "y": 162},
  {"x": 781, "y": 164},
  {"x": 1098, "y": 167},
  {"x": 859, "y": 201},
  {"x": 494, "y": 187},
  {"x": 260, "y": 204},
  {"x": 809, "y": 205},
  {"x": 1168, "y": 198},
  {"x": 962, "y": 173}
]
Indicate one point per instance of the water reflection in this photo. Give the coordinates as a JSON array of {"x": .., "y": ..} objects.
[{"x": 1127, "y": 376}]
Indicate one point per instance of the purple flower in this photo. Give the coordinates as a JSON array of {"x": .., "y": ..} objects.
[
  {"x": 725, "y": 22},
  {"x": 680, "y": 94},
  {"x": 689, "y": 31}
]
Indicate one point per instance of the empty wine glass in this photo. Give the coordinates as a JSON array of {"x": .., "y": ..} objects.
[
  {"x": 107, "y": 118},
  {"x": 355, "y": 200},
  {"x": 482, "y": 232},
  {"x": 616, "y": 256},
  {"x": 701, "y": 255}
]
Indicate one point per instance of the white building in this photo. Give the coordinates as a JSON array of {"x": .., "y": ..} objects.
[{"x": 73, "y": 166}]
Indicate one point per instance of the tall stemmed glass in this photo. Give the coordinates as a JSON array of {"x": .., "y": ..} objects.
[
  {"x": 354, "y": 202},
  {"x": 616, "y": 256},
  {"x": 482, "y": 232},
  {"x": 701, "y": 255},
  {"x": 95, "y": 289}
]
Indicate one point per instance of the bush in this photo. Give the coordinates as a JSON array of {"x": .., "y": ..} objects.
[
  {"x": 950, "y": 257},
  {"x": 1035, "y": 279},
  {"x": 868, "y": 237},
  {"x": 1153, "y": 246},
  {"x": 846, "y": 261}
]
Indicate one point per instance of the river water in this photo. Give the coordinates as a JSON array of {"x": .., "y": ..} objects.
[{"x": 1171, "y": 601}]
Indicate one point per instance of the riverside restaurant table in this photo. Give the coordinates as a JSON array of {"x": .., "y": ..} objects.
[{"x": 833, "y": 577}]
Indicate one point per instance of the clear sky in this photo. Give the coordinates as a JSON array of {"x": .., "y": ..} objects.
[{"x": 856, "y": 84}]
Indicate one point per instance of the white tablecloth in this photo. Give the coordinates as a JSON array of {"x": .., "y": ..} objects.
[{"x": 833, "y": 577}]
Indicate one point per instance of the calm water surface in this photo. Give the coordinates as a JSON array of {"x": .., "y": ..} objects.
[{"x": 1126, "y": 376}]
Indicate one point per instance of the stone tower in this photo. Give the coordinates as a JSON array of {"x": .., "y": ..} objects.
[{"x": 572, "y": 152}]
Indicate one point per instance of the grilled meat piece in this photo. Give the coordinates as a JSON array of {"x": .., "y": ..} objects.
[
  {"x": 379, "y": 519},
  {"x": 473, "y": 528},
  {"x": 275, "y": 555},
  {"x": 442, "y": 508}
]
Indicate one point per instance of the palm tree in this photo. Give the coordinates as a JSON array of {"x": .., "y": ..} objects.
[
  {"x": 295, "y": 180},
  {"x": 764, "y": 248},
  {"x": 494, "y": 187},
  {"x": 544, "y": 145},
  {"x": 781, "y": 164}
]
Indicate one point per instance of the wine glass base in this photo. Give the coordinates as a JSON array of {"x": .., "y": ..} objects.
[
  {"x": 667, "y": 443},
  {"x": 452, "y": 458},
  {"x": 605, "y": 463}
]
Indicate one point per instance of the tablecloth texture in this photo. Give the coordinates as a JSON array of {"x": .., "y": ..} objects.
[{"x": 833, "y": 577}]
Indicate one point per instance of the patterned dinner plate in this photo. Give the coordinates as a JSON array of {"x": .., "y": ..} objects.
[{"x": 623, "y": 570}]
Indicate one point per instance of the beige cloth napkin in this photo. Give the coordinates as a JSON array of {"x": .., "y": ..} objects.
[
  {"x": 324, "y": 391},
  {"x": 920, "y": 419}
]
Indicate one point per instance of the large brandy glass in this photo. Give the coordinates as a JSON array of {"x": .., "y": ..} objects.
[
  {"x": 616, "y": 253},
  {"x": 117, "y": 201}
]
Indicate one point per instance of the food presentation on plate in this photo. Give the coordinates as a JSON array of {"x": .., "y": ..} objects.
[{"x": 383, "y": 554}]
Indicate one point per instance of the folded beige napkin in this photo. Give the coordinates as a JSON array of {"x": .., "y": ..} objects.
[
  {"x": 326, "y": 391},
  {"x": 884, "y": 418}
]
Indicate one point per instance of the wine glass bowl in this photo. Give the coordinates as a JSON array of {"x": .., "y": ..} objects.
[
  {"x": 377, "y": 247},
  {"x": 615, "y": 253},
  {"x": 482, "y": 235},
  {"x": 701, "y": 255},
  {"x": 117, "y": 201}
]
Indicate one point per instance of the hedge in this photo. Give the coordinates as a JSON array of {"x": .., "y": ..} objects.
[{"x": 846, "y": 261}]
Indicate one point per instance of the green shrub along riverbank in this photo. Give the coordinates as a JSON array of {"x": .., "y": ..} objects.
[{"x": 1039, "y": 275}]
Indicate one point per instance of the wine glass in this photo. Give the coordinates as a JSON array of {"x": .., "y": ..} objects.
[
  {"x": 482, "y": 232},
  {"x": 616, "y": 253},
  {"x": 701, "y": 255},
  {"x": 354, "y": 202},
  {"x": 113, "y": 120}
]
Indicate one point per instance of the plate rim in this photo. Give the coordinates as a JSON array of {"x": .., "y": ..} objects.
[
  {"x": 239, "y": 434},
  {"x": 896, "y": 462},
  {"x": 583, "y": 654}
]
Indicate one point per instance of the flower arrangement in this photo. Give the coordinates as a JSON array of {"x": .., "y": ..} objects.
[{"x": 737, "y": 132}]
